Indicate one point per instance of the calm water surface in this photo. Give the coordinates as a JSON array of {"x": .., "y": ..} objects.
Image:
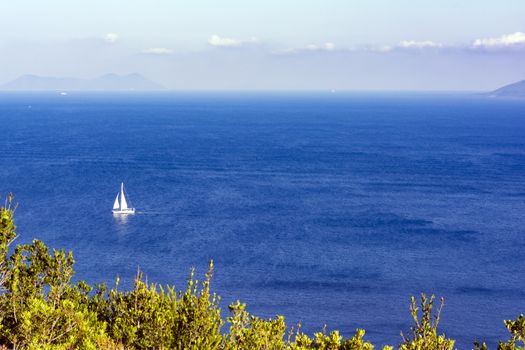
[{"x": 326, "y": 208}]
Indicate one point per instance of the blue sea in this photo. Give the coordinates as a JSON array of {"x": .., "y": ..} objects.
[{"x": 327, "y": 208}]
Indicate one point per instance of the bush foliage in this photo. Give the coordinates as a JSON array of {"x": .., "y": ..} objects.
[{"x": 42, "y": 308}]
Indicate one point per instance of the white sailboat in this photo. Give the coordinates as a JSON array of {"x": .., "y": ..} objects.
[{"x": 120, "y": 206}]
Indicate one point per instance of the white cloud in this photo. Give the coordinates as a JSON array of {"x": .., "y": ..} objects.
[
  {"x": 219, "y": 41},
  {"x": 408, "y": 45},
  {"x": 158, "y": 51},
  {"x": 510, "y": 40},
  {"x": 111, "y": 37},
  {"x": 324, "y": 47},
  {"x": 515, "y": 41},
  {"x": 412, "y": 44},
  {"x": 328, "y": 46}
]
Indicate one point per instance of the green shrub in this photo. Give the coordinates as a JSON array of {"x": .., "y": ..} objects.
[
  {"x": 153, "y": 317},
  {"x": 424, "y": 332},
  {"x": 41, "y": 308},
  {"x": 250, "y": 332}
]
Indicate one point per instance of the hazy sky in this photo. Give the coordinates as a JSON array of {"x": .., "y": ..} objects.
[{"x": 270, "y": 44}]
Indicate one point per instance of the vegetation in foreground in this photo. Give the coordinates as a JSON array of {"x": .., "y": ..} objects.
[{"x": 41, "y": 308}]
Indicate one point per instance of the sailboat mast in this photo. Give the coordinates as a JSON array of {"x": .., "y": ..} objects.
[{"x": 121, "y": 194}]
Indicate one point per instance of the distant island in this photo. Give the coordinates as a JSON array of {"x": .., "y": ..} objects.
[
  {"x": 107, "y": 82},
  {"x": 516, "y": 90}
]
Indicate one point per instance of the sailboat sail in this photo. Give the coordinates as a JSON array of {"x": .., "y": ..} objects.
[
  {"x": 115, "y": 204},
  {"x": 123, "y": 203}
]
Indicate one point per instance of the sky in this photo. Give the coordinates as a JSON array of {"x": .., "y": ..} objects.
[{"x": 270, "y": 44}]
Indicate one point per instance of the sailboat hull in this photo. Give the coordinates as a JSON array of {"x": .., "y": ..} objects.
[{"x": 123, "y": 211}]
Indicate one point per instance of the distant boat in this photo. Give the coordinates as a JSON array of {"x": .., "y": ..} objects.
[{"x": 120, "y": 206}]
